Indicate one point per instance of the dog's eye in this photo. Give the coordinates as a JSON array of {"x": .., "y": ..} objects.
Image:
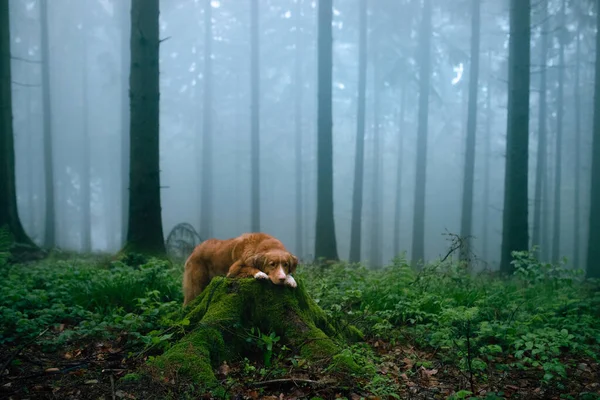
[
  {"x": 272, "y": 263},
  {"x": 285, "y": 264}
]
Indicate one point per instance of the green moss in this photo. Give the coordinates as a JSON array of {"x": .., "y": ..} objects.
[
  {"x": 227, "y": 308},
  {"x": 132, "y": 377}
]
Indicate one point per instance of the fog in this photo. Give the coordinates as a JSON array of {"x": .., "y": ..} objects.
[{"x": 88, "y": 69}]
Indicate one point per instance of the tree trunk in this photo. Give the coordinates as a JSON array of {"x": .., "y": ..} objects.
[
  {"x": 542, "y": 148},
  {"x": 467, "y": 201},
  {"x": 514, "y": 230},
  {"x": 298, "y": 134},
  {"x": 593, "y": 253},
  {"x": 325, "y": 241},
  {"x": 418, "y": 245},
  {"x": 375, "y": 242},
  {"x": 145, "y": 232},
  {"x": 577, "y": 201},
  {"x": 86, "y": 213},
  {"x": 9, "y": 215},
  {"x": 50, "y": 219},
  {"x": 254, "y": 119},
  {"x": 487, "y": 153},
  {"x": 559, "y": 126},
  {"x": 398, "y": 205},
  {"x": 125, "y": 70},
  {"x": 359, "y": 157},
  {"x": 206, "y": 196}
]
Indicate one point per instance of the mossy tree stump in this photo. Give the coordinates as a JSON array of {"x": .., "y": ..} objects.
[{"x": 224, "y": 312}]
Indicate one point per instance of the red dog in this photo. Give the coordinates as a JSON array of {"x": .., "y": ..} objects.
[{"x": 255, "y": 255}]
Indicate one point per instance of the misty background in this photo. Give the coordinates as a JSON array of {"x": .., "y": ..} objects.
[{"x": 88, "y": 69}]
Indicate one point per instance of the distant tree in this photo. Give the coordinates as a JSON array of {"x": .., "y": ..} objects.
[
  {"x": 206, "y": 196},
  {"x": 50, "y": 218},
  {"x": 559, "y": 129},
  {"x": 514, "y": 227},
  {"x": 376, "y": 171},
  {"x": 325, "y": 241},
  {"x": 298, "y": 84},
  {"x": 145, "y": 232},
  {"x": 125, "y": 13},
  {"x": 357, "y": 194},
  {"x": 86, "y": 212},
  {"x": 577, "y": 111},
  {"x": 398, "y": 202},
  {"x": 254, "y": 119},
  {"x": 469, "y": 173},
  {"x": 539, "y": 236},
  {"x": 9, "y": 215},
  {"x": 425, "y": 33},
  {"x": 486, "y": 160},
  {"x": 593, "y": 251}
]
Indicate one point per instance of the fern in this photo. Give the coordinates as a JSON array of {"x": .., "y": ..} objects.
[{"x": 6, "y": 241}]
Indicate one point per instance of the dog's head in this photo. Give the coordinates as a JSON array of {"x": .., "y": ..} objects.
[{"x": 277, "y": 264}]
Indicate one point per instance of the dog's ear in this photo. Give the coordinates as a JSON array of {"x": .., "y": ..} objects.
[
  {"x": 293, "y": 263},
  {"x": 257, "y": 261}
]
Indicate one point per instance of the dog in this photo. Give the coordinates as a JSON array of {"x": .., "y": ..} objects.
[{"x": 255, "y": 255}]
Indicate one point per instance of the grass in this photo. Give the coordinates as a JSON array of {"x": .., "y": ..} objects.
[{"x": 439, "y": 331}]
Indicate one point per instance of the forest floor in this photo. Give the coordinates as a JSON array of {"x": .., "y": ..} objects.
[{"x": 79, "y": 328}]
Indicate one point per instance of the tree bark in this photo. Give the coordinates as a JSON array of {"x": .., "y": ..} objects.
[
  {"x": 376, "y": 171},
  {"x": 206, "y": 196},
  {"x": 467, "y": 201},
  {"x": 514, "y": 228},
  {"x": 577, "y": 200},
  {"x": 9, "y": 215},
  {"x": 542, "y": 148},
  {"x": 559, "y": 128},
  {"x": 418, "y": 245},
  {"x": 50, "y": 218},
  {"x": 593, "y": 252},
  {"x": 124, "y": 84},
  {"x": 145, "y": 232},
  {"x": 298, "y": 125},
  {"x": 255, "y": 118},
  {"x": 359, "y": 156},
  {"x": 325, "y": 241},
  {"x": 398, "y": 205}
]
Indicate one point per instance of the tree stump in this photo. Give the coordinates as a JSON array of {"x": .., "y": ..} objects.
[{"x": 223, "y": 313}]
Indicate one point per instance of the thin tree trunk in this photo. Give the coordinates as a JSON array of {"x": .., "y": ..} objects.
[
  {"x": 486, "y": 169},
  {"x": 577, "y": 201},
  {"x": 398, "y": 205},
  {"x": 359, "y": 157},
  {"x": 418, "y": 245},
  {"x": 125, "y": 70},
  {"x": 32, "y": 163},
  {"x": 86, "y": 214},
  {"x": 375, "y": 256},
  {"x": 559, "y": 126},
  {"x": 514, "y": 229},
  {"x": 254, "y": 119},
  {"x": 9, "y": 215},
  {"x": 145, "y": 232},
  {"x": 325, "y": 241},
  {"x": 593, "y": 251},
  {"x": 542, "y": 149},
  {"x": 206, "y": 196},
  {"x": 298, "y": 124},
  {"x": 467, "y": 201},
  {"x": 50, "y": 219}
]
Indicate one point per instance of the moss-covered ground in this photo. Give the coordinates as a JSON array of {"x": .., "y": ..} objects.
[{"x": 92, "y": 327}]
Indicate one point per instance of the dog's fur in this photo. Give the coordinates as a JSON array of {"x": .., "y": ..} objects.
[{"x": 255, "y": 255}]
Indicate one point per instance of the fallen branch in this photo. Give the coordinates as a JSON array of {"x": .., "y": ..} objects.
[
  {"x": 295, "y": 381},
  {"x": 20, "y": 349}
]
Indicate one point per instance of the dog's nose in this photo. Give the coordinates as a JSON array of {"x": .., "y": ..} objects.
[{"x": 281, "y": 280}]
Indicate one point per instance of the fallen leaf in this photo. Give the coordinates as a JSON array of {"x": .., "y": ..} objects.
[
  {"x": 224, "y": 369},
  {"x": 52, "y": 370},
  {"x": 91, "y": 382}
]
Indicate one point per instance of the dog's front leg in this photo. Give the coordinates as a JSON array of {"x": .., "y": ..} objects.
[{"x": 239, "y": 270}]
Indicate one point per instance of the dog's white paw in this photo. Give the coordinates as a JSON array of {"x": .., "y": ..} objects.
[
  {"x": 290, "y": 281},
  {"x": 261, "y": 275}
]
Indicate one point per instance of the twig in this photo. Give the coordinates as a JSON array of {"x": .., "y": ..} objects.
[
  {"x": 112, "y": 386},
  {"x": 291, "y": 380},
  {"x": 20, "y": 349}
]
